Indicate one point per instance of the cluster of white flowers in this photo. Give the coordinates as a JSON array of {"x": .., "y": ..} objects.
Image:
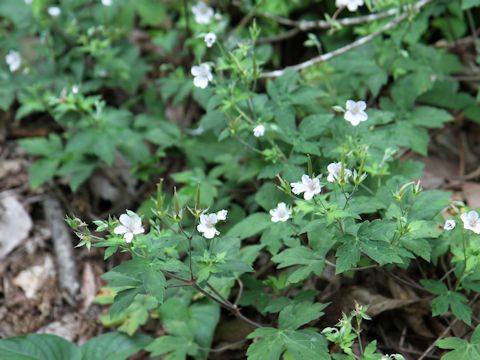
[
  {"x": 471, "y": 221},
  {"x": 351, "y": 5},
  {"x": 281, "y": 213},
  {"x": 259, "y": 130},
  {"x": 210, "y": 39},
  {"x": 355, "y": 112},
  {"x": 203, "y": 13},
  {"x": 208, "y": 222},
  {"x": 310, "y": 187},
  {"x": 202, "y": 75},
  {"x": 13, "y": 60},
  {"x": 54, "y": 11},
  {"x": 130, "y": 225}
]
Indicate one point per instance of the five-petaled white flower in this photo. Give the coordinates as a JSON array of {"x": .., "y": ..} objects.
[
  {"x": 202, "y": 75},
  {"x": 355, "y": 113},
  {"x": 449, "y": 225},
  {"x": 54, "y": 11},
  {"x": 335, "y": 172},
  {"x": 208, "y": 222},
  {"x": 281, "y": 213},
  {"x": 471, "y": 221},
  {"x": 352, "y": 5},
  {"x": 210, "y": 39},
  {"x": 130, "y": 225},
  {"x": 203, "y": 13},
  {"x": 13, "y": 60},
  {"x": 259, "y": 130},
  {"x": 310, "y": 187},
  {"x": 107, "y": 2}
]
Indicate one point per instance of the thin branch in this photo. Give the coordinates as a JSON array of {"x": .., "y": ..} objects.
[
  {"x": 357, "y": 43},
  {"x": 306, "y": 25},
  {"x": 279, "y": 37},
  {"x": 240, "y": 291},
  {"x": 221, "y": 301},
  {"x": 374, "y": 266}
]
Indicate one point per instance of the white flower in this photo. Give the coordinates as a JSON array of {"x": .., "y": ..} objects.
[
  {"x": 207, "y": 225},
  {"x": 130, "y": 225},
  {"x": 222, "y": 215},
  {"x": 281, "y": 213},
  {"x": 107, "y": 2},
  {"x": 356, "y": 112},
  {"x": 310, "y": 187},
  {"x": 335, "y": 172},
  {"x": 352, "y": 5},
  {"x": 28, "y": 2},
  {"x": 471, "y": 221},
  {"x": 203, "y": 13},
  {"x": 210, "y": 39},
  {"x": 259, "y": 130},
  {"x": 13, "y": 60},
  {"x": 208, "y": 222},
  {"x": 54, "y": 11},
  {"x": 202, "y": 75},
  {"x": 449, "y": 225},
  {"x": 75, "y": 89}
]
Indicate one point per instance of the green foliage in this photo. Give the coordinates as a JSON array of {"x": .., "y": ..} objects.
[
  {"x": 110, "y": 346},
  {"x": 118, "y": 88},
  {"x": 461, "y": 349}
]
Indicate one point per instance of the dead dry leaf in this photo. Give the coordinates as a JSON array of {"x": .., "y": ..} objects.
[
  {"x": 32, "y": 279},
  {"x": 15, "y": 223},
  {"x": 471, "y": 192}
]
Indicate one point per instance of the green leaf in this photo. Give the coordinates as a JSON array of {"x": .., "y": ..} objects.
[
  {"x": 380, "y": 251},
  {"x": 457, "y": 302},
  {"x": 429, "y": 117},
  {"x": 41, "y": 171},
  {"x": 38, "y": 347},
  {"x": 462, "y": 350},
  {"x": 310, "y": 261},
  {"x": 154, "y": 283},
  {"x": 250, "y": 226},
  {"x": 113, "y": 346},
  {"x": 41, "y": 146},
  {"x": 467, "y": 4},
  {"x": 428, "y": 204},
  {"x": 272, "y": 343},
  {"x": 123, "y": 300},
  {"x": 299, "y": 313},
  {"x": 176, "y": 346},
  {"x": 151, "y": 12},
  {"x": 348, "y": 256},
  {"x": 435, "y": 287},
  {"x": 314, "y": 125}
]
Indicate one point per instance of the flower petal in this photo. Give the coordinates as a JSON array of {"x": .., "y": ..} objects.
[
  {"x": 125, "y": 220},
  {"x": 120, "y": 229},
  {"x": 128, "y": 237},
  {"x": 200, "y": 82}
]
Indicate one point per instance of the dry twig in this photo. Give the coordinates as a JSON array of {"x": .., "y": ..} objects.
[
  {"x": 62, "y": 243},
  {"x": 357, "y": 43}
]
